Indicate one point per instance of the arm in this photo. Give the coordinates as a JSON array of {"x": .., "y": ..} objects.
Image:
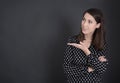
[
  {"x": 70, "y": 70},
  {"x": 94, "y": 61}
]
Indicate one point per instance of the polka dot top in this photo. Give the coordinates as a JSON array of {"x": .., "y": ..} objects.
[{"x": 76, "y": 64}]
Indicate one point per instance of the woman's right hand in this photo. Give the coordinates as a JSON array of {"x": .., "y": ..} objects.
[{"x": 90, "y": 69}]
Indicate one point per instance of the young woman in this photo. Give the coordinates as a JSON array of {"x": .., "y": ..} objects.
[{"x": 85, "y": 58}]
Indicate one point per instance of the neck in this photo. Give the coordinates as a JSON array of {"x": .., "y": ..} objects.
[{"x": 88, "y": 37}]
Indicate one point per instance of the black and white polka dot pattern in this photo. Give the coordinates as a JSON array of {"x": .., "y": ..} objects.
[{"x": 76, "y": 64}]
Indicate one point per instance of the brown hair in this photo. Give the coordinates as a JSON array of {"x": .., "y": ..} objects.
[{"x": 98, "y": 39}]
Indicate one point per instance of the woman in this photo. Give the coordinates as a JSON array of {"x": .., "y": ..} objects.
[{"x": 85, "y": 54}]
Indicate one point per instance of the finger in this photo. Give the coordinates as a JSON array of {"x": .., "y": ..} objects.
[
  {"x": 99, "y": 58},
  {"x": 102, "y": 57},
  {"x": 70, "y": 43},
  {"x": 73, "y": 44},
  {"x": 81, "y": 43}
]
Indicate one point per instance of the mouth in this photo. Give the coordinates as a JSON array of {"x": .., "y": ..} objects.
[{"x": 83, "y": 29}]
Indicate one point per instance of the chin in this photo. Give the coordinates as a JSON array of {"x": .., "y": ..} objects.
[{"x": 84, "y": 32}]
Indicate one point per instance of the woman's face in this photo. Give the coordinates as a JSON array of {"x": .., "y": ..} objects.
[{"x": 89, "y": 24}]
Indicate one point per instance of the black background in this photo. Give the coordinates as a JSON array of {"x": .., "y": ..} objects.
[{"x": 33, "y": 34}]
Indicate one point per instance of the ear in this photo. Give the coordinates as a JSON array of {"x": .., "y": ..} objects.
[{"x": 98, "y": 25}]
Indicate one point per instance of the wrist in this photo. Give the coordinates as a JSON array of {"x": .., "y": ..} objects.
[{"x": 87, "y": 52}]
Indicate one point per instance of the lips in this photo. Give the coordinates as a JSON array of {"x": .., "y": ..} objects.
[{"x": 83, "y": 29}]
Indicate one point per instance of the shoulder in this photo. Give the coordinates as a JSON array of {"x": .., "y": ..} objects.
[{"x": 105, "y": 46}]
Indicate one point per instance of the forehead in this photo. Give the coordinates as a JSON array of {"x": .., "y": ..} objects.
[{"x": 88, "y": 16}]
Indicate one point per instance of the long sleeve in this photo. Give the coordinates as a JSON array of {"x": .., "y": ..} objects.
[
  {"x": 93, "y": 61},
  {"x": 76, "y": 63},
  {"x": 69, "y": 68}
]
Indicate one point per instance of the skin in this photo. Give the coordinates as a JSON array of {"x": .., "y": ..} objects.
[{"x": 88, "y": 25}]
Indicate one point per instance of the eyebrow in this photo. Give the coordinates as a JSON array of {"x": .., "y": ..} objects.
[{"x": 85, "y": 18}]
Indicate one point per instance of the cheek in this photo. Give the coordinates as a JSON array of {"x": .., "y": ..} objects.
[
  {"x": 92, "y": 27},
  {"x": 82, "y": 23}
]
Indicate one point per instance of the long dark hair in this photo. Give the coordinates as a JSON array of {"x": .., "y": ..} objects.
[{"x": 98, "y": 39}]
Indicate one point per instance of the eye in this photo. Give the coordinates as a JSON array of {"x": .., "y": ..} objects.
[{"x": 89, "y": 21}]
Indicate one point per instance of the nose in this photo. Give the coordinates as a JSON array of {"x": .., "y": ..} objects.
[{"x": 85, "y": 24}]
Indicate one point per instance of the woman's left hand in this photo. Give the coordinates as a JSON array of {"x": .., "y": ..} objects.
[
  {"x": 102, "y": 59},
  {"x": 80, "y": 46}
]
